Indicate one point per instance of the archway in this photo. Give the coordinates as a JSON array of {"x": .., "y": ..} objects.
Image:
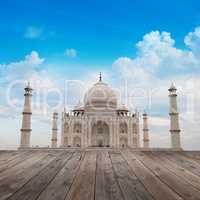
[
  {"x": 123, "y": 142},
  {"x": 100, "y": 134},
  {"x": 65, "y": 141},
  {"x": 77, "y": 141},
  {"x": 77, "y": 128},
  {"x": 123, "y": 128}
]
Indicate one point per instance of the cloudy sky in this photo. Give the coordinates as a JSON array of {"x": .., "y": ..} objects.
[{"x": 140, "y": 47}]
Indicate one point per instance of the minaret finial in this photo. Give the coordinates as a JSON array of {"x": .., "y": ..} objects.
[{"x": 100, "y": 77}]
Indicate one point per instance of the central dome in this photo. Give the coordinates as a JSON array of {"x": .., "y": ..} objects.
[{"x": 100, "y": 96}]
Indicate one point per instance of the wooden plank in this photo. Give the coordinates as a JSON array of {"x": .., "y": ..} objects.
[
  {"x": 60, "y": 186},
  {"x": 194, "y": 158},
  {"x": 33, "y": 158},
  {"x": 107, "y": 187},
  {"x": 6, "y": 156},
  {"x": 100, "y": 175},
  {"x": 83, "y": 187},
  {"x": 130, "y": 185},
  {"x": 183, "y": 188},
  {"x": 14, "y": 179},
  {"x": 20, "y": 157},
  {"x": 183, "y": 162},
  {"x": 38, "y": 183},
  {"x": 153, "y": 184},
  {"x": 176, "y": 169},
  {"x": 194, "y": 155}
]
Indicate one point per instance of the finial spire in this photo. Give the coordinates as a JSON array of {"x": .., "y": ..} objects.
[
  {"x": 172, "y": 88},
  {"x": 144, "y": 113},
  {"x": 100, "y": 77}
]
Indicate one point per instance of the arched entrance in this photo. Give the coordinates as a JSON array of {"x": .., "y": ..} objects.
[
  {"x": 123, "y": 142},
  {"x": 77, "y": 141},
  {"x": 100, "y": 134}
]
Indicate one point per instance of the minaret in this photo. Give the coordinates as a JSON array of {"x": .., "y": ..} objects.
[
  {"x": 145, "y": 130},
  {"x": 135, "y": 136},
  {"x": 174, "y": 118},
  {"x": 26, "y": 121},
  {"x": 63, "y": 118},
  {"x": 62, "y": 128},
  {"x": 138, "y": 128},
  {"x": 54, "y": 130}
]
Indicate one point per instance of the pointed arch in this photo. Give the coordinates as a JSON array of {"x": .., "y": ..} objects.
[
  {"x": 123, "y": 128},
  {"x": 77, "y": 127},
  {"x": 123, "y": 142},
  {"x": 77, "y": 141},
  {"x": 100, "y": 134},
  {"x": 65, "y": 141}
]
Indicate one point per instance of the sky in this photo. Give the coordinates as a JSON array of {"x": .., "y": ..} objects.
[{"x": 139, "y": 46}]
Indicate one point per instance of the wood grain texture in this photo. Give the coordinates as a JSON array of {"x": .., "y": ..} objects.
[
  {"x": 61, "y": 184},
  {"x": 179, "y": 185},
  {"x": 37, "y": 184},
  {"x": 129, "y": 183},
  {"x": 99, "y": 174},
  {"x": 153, "y": 184},
  {"x": 107, "y": 187},
  {"x": 84, "y": 184}
]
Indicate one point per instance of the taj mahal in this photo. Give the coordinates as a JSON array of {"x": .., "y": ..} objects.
[{"x": 100, "y": 122}]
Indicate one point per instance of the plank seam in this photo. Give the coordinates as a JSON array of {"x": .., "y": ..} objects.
[
  {"x": 136, "y": 175},
  {"x": 55, "y": 175},
  {"x": 162, "y": 180},
  {"x": 115, "y": 176},
  {"x": 186, "y": 171},
  {"x": 32, "y": 176},
  {"x": 82, "y": 158}
]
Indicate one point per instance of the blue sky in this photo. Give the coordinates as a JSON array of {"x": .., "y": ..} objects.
[
  {"x": 100, "y": 30},
  {"x": 147, "y": 44}
]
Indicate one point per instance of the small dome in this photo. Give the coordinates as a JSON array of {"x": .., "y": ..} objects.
[
  {"x": 122, "y": 108},
  {"x": 100, "y": 96},
  {"x": 79, "y": 106}
]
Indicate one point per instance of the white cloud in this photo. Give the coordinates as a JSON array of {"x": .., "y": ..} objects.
[
  {"x": 33, "y": 32},
  {"x": 71, "y": 53},
  {"x": 34, "y": 58},
  {"x": 129, "y": 69},
  {"x": 16, "y": 75},
  {"x": 155, "y": 52},
  {"x": 192, "y": 40},
  {"x": 22, "y": 69}
]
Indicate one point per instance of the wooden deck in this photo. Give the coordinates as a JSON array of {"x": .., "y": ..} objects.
[{"x": 99, "y": 174}]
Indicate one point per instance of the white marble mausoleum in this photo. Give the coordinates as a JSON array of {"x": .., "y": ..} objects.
[{"x": 100, "y": 121}]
